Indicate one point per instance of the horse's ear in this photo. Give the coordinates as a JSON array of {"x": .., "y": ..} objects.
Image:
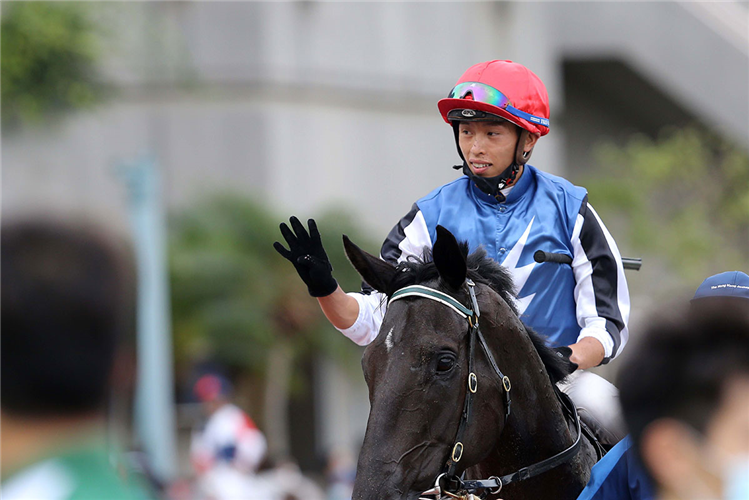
[
  {"x": 449, "y": 258},
  {"x": 374, "y": 271}
]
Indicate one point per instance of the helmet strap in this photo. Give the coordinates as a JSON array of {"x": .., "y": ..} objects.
[
  {"x": 492, "y": 186},
  {"x": 522, "y": 156}
]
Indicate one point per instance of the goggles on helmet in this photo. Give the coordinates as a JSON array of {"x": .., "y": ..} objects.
[{"x": 487, "y": 94}]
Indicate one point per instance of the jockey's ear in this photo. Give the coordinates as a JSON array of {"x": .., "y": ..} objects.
[
  {"x": 449, "y": 259},
  {"x": 376, "y": 272}
]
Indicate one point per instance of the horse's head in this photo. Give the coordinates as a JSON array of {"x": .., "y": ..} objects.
[{"x": 417, "y": 369}]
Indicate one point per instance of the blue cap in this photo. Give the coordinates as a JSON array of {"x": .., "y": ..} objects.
[{"x": 728, "y": 284}]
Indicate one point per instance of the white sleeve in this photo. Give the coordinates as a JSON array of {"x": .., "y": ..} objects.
[
  {"x": 601, "y": 292},
  {"x": 408, "y": 238},
  {"x": 367, "y": 325}
]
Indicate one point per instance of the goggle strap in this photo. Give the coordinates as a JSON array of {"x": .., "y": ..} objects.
[{"x": 544, "y": 122}]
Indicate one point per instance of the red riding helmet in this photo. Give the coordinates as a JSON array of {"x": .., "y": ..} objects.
[{"x": 502, "y": 88}]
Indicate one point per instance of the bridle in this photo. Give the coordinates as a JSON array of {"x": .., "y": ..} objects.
[{"x": 448, "y": 483}]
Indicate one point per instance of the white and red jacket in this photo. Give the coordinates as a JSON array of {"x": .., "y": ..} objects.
[{"x": 230, "y": 436}]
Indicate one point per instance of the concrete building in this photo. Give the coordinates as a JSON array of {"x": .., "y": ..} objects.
[{"x": 309, "y": 104}]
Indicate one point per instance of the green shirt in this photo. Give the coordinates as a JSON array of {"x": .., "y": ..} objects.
[{"x": 85, "y": 473}]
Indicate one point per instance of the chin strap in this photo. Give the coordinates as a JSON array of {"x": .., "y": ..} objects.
[{"x": 492, "y": 186}]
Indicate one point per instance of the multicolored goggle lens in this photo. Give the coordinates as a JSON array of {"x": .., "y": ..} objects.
[
  {"x": 480, "y": 92},
  {"x": 487, "y": 94}
]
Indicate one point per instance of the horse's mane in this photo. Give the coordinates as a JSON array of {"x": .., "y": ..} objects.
[{"x": 484, "y": 270}]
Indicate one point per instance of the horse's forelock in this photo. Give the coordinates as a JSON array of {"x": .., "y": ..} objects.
[
  {"x": 413, "y": 271},
  {"x": 481, "y": 269}
]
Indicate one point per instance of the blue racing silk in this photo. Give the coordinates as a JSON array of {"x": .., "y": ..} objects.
[{"x": 540, "y": 212}]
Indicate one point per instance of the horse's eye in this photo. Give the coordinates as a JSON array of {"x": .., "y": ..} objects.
[{"x": 445, "y": 363}]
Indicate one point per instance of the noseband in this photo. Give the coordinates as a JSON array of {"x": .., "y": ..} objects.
[{"x": 448, "y": 482}]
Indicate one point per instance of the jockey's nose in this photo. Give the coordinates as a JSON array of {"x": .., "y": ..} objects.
[{"x": 477, "y": 146}]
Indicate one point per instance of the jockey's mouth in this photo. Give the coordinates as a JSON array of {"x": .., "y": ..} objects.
[{"x": 480, "y": 167}]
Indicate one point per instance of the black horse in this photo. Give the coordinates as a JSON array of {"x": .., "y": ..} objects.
[{"x": 417, "y": 369}]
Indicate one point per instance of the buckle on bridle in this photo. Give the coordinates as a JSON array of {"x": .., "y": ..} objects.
[
  {"x": 499, "y": 488},
  {"x": 457, "y": 452},
  {"x": 473, "y": 383}
]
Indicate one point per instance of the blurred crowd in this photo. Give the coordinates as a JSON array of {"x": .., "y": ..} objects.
[{"x": 67, "y": 350}]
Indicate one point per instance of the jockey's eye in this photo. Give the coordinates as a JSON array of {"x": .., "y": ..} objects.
[{"x": 445, "y": 363}]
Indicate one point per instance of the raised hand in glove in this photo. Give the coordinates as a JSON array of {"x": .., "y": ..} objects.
[{"x": 308, "y": 256}]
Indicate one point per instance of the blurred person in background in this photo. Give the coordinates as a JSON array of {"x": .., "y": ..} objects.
[
  {"x": 686, "y": 395},
  {"x": 731, "y": 287},
  {"x": 498, "y": 110},
  {"x": 285, "y": 481},
  {"x": 620, "y": 474},
  {"x": 228, "y": 450},
  {"x": 341, "y": 474},
  {"x": 67, "y": 302}
]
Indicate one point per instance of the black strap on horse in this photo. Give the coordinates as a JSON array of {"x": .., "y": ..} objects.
[
  {"x": 474, "y": 334},
  {"x": 448, "y": 482},
  {"x": 495, "y": 484}
]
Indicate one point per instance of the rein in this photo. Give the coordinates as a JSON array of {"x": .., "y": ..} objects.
[{"x": 448, "y": 482}]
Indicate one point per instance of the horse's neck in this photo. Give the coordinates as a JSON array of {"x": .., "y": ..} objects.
[{"x": 536, "y": 428}]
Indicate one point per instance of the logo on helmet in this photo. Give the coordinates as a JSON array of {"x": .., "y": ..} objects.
[{"x": 468, "y": 113}]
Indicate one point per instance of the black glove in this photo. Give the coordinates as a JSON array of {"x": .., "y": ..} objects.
[
  {"x": 565, "y": 352},
  {"x": 308, "y": 256}
]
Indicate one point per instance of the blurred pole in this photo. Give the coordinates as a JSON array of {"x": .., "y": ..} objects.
[{"x": 154, "y": 398}]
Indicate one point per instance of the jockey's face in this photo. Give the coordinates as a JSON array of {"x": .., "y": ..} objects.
[{"x": 489, "y": 146}]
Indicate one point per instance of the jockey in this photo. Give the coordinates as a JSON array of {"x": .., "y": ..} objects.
[
  {"x": 498, "y": 110},
  {"x": 230, "y": 437}
]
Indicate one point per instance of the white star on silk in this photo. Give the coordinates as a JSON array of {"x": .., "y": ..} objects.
[{"x": 520, "y": 275}]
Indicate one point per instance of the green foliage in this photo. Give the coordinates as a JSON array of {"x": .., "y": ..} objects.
[
  {"x": 683, "y": 197},
  {"x": 48, "y": 54},
  {"x": 233, "y": 296}
]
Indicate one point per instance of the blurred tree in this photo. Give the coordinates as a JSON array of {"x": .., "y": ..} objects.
[
  {"x": 47, "y": 63},
  {"x": 237, "y": 302},
  {"x": 682, "y": 198}
]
